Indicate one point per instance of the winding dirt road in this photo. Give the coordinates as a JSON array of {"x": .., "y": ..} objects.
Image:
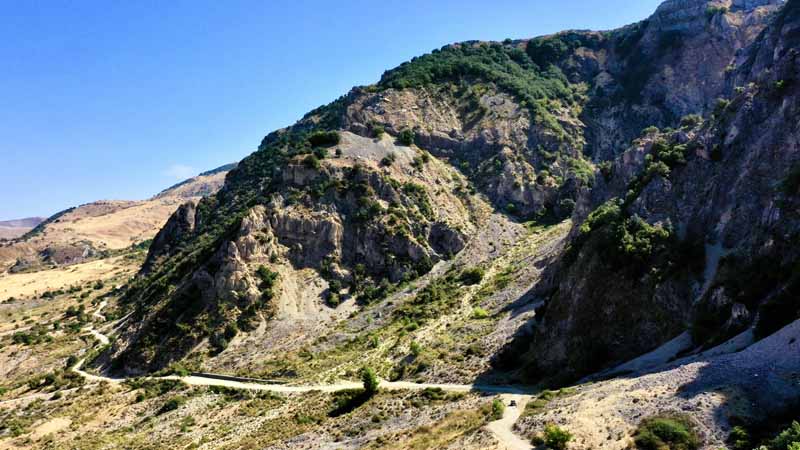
[{"x": 502, "y": 429}]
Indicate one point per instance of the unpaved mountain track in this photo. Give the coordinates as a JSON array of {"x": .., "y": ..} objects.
[{"x": 502, "y": 429}]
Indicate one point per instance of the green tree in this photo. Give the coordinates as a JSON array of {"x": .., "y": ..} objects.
[{"x": 370, "y": 381}]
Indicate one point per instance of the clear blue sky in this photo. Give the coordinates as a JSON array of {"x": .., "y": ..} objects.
[{"x": 119, "y": 99}]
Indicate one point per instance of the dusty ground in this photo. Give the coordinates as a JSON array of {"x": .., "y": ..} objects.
[{"x": 763, "y": 378}]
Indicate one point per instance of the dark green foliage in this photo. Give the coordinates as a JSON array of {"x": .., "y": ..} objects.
[
  {"x": 791, "y": 184},
  {"x": 438, "y": 296},
  {"x": 152, "y": 388},
  {"x": 172, "y": 404},
  {"x": 691, "y": 121},
  {"x": 472, "y": 276},
  {"x": 348, "y": 400},
  {"x": 788, "y": 439},
  {"x": 406, "y": 137},
  {"x": 511, "y": 70},
  {"x": 545, "y": 51},
  {"x": 712, "y": 11},
  {"x": 421, "y": 199},
  {"x": 324, "y": 138},
  {"x": 370, "y": 381},
  {"x": 740, "y": 439},
  {"x": 389, "y": 159},
  {"x": 268, "y": 278},
  {"x": 720, "y": 107},
  {"x": 377, "y": 130},
  {"x": 627, "y": 39},
  {"x": 628, "y": 241},
  {"x": 311, "y": 161},
  {"x": 668, "y": 432}
]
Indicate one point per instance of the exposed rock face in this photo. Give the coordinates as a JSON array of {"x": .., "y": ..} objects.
[
  {"x": 670, "y": 222},
  {"x": 179, "y": 225},
  {"x": 725, "y": 202},
  {"x": 355, "y": 223}
]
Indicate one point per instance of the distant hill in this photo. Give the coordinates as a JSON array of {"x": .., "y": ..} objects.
[
  {"x": 10, "y": 229},
  {"x": 87, "y": 231}
]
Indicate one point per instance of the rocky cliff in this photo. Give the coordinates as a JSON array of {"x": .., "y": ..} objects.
[
  {"x": 672, "y": 144},
  {"x": 690, "y": 229}
]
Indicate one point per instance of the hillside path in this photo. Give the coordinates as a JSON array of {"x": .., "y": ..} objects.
[{"x": 502, "y": 429}]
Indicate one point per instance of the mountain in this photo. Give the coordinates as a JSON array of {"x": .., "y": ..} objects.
[
  {"x": 599, "y": 226},
  {"x": 87, "y": 231},
  {"x": 10, "y": 229}
]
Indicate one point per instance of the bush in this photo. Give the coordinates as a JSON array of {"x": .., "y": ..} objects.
[
  {"x": 416, "y": 349},
  {"x": 789, "y": 438},
  {"x": 324, "y": 139},
  {"x": 406, "y": 137},
  {"x": 498, "y": 408},
  {"x": 556, "y": 438},
  {"x": 370, "y": 381},
  {"x": 546, "y": 51},
  {"x": 671, "y": 432},
  {"x": 712, "y": 11},
  {"x": 721, "y": 106},
  {"x": 311, "y": 161},
  {"x": 172, "y": 404},
  {"x": 479, "y": 313},
  {"x": 739, "y": 439},
  {"x": 377, "y": 130},
  {"x": 691, "y": 121},
  {"x": 388, "y": 160},
  {"x": 472, "y": 276}
]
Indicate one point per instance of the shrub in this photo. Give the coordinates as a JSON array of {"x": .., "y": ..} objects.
[
  {"x": 498, "y": 408},
  {"x": 739, "y": 439},
  {"x": 788, "y": 439},
  {"x": 377, "y": 130},
  {"x": 546, "y": 51},
  {"x": 311, "y": 161},
  {"x": 672, "y": 432},
  {"x": 556, "y": 438},
  {"x": 712, "y": 11},
  {"x": 324, "y": 138},
  {"x": 472, "y": 276},
  {"x": 479, "y": 313},
  {"x": 172, "y": 404},
  {"x": 333, "y": 300},
  {"x": 650, "y": 130},
  {"x": 406, "y": 137},
  {"x": 416, "y": 349},
  {"x": 721, "y": 106},
  {"x": 691, "y": 121},
  {"x": 389, "y": 159},
  {"x": 370, "y": 381}
]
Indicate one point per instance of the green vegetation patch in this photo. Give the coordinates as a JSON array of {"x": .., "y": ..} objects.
[{"x": 666, "y": 432}]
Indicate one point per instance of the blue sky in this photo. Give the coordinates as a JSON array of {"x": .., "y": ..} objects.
[{"x": 119, "y": 99}]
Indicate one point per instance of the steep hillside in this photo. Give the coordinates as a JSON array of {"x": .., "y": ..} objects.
[
  {"x": 616, "y": 210},
  {"x": 83, "y": 232},
  {"x": 691, "y": 229}
]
